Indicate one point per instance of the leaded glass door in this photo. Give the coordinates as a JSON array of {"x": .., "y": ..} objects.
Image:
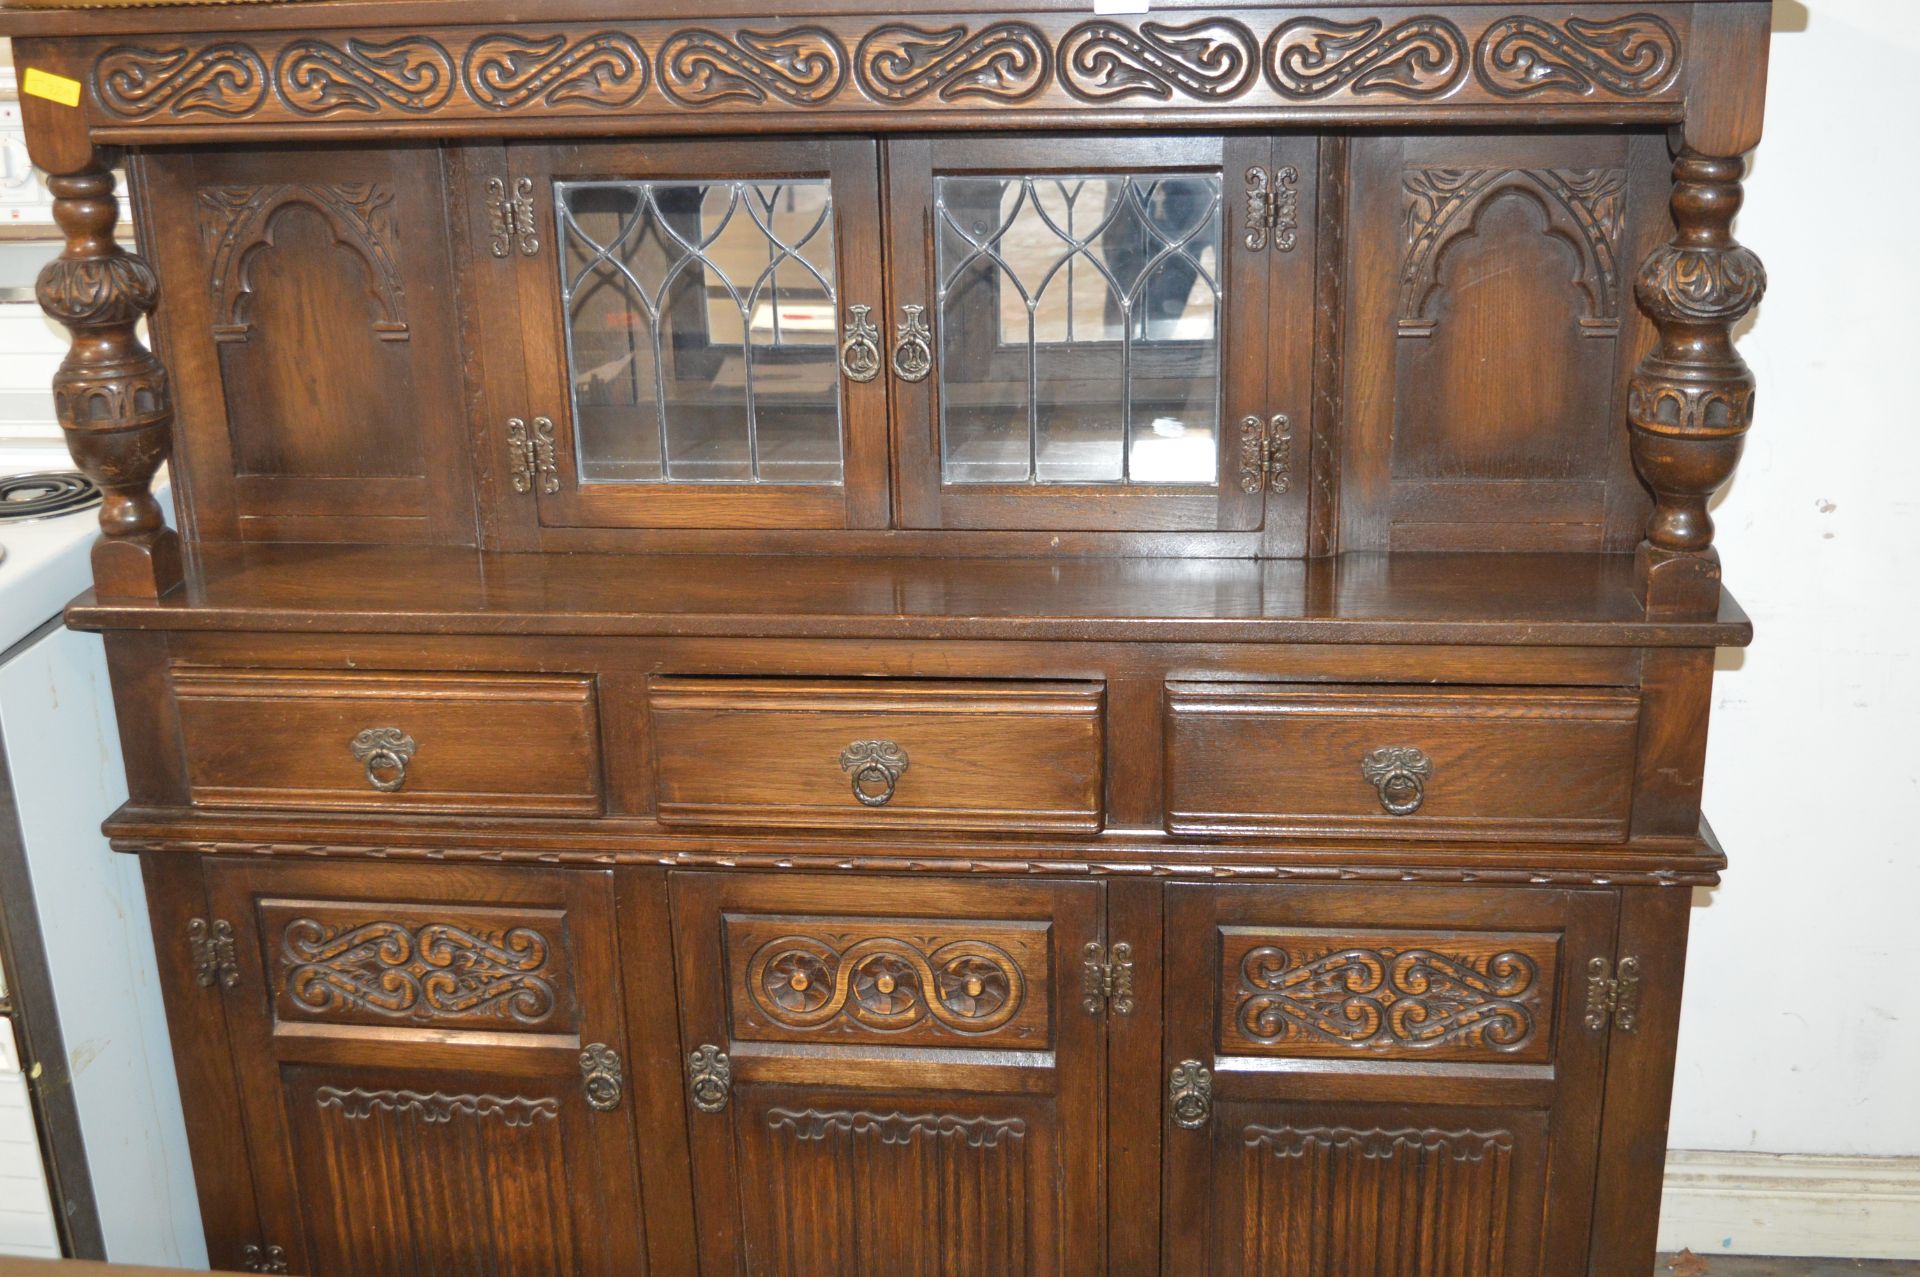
[
  {"x": 1083, "y": 337},
  {"x": 701, "y": 333}
]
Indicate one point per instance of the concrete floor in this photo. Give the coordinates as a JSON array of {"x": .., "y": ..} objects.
[{"x": 1742, "y": 1266}]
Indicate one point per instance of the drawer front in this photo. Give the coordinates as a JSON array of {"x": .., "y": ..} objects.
[
  {"x": 1363, "y": 761},
  {"x": 931, "y": 754},
  {"x": 419, "y": 742}
]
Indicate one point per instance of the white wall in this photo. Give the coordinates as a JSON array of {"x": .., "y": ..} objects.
[{"x": 1802, "y": 1024}]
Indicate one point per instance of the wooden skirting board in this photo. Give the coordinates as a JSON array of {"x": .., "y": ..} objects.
[{"x": 1770, "y": 1204}]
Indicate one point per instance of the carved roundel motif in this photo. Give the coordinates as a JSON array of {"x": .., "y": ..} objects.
[
  {"x": 968, "y": 986},
  {"x": 1103, "y": 60},
  {"x": 1424, "y": 57}
]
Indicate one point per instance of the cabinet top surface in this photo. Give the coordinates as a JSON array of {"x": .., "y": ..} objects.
[
  {"x": 34, "y": 19},
  {"x": 1521, "y": 599}
]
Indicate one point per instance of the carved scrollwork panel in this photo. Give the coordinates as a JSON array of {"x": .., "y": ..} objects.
[
  {"x": 1000, "y": 62},
  {"x": 1211, "y": 60},
  {"x": 804, "y": 66},
  {"x": 885, "y": 980},
  {"x": 225, "y": 78},
  {"x": 316, "y": 77},
  {"x": 1421, "y": 57},
  {"x": 1389, "y": 994},
  {"x": 895, "y": 1129},
  {"x": 606, "y": 70},
  {"x": 1629, "y": 57},
  {"x": 464, "y": 969},
  {"x": 238, "y": 223}
]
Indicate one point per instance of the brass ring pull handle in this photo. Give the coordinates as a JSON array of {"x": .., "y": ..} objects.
[
  {"x": 600, "y": 1071},
  {"x": 385, "y": 752},
  {"x": 1399, "y": 774},
  {"x": 876, "y": 767},
  {"x": 860, "y": 352},
  {"x": 913, "y": 351},
  {"x": 709, "y": 1078},
  {"x": 1190, "y": 1095}
]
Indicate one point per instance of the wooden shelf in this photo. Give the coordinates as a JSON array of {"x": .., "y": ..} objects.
[{"x": 1548, "y": 600}]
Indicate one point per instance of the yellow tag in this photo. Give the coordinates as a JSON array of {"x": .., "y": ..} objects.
[{"x": 54, "y": 88}]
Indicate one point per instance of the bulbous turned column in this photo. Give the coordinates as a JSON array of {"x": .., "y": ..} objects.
[
  {"x": 111, "y": 394},
  {"x": 1691, "y": 400}
]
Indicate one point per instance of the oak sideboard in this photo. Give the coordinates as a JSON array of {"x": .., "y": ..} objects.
[{"x": 912, "y": 640}]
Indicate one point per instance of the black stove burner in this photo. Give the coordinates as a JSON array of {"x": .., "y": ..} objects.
[{"x": 45, "y": 494}]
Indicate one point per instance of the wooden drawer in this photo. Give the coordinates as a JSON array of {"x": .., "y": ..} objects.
[
  {"x": 1500, "y": 763},
  {"x": 418, "y": 742},
  {"x": 973, "y": 755}
]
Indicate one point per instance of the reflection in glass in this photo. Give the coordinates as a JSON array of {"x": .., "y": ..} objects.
[
  {"x": 702, "y": 340},
  {"x": 1079, "y": 322}
]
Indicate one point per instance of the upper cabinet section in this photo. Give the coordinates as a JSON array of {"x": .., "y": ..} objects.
[{"x": 1479, "y": 62}]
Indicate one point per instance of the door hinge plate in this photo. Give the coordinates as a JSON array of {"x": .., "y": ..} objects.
[
  {"x": 511, "y": 220},
  {"x": 1613, "y": 995},
  {"x": 1273, "y": 209},
  {"x": 210, "y": 946},
  {"x": 1266, "y": 454},
  {"x": 530, "y": 455},
  {"x": 1106, "y": 978}
]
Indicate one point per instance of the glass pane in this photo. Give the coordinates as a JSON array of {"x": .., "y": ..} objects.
[
  {"x": 702, "y": 334},
  {"x": 1079, "y": 327}
]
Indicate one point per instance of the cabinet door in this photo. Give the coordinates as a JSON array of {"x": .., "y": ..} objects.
[
  {"x": 1384, "y": 1080},
  {"x": 429, "y": 1067},
  {"x": 891, "y": 1077},
  {"x": 1086, "y": 333},
  {"x": 699, "y": 340}
]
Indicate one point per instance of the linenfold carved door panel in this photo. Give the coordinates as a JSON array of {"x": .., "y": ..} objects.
[
  {"x": 430, "y": 1067},
  {"x": 699, "y": 322},
  {"x": 1392, "y": 1080},
  {"x": 1102, "y": 334},
  {"x": 889, "y": 1077}
]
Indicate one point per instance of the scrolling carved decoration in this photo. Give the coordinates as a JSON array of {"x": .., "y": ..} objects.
[
  {"x": 966, "y": 986},
  {"x": 238, "y": 224},
  {"x": 896, "y": 1128},
  {"x": 1584, "y": 208},
  {"x": 1320, "y": 996},
  {"x": 427, "y": 973},
  {"x": 1251, "y": 59},
  {"x": 358, "y": 1105}
]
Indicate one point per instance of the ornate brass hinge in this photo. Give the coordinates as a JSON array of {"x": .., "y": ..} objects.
[
  {"x": 1273, "y": 209},
  {"x": 1613, "y": 995},
  {"x": 1106, "y": 979},
  {"x": 510, "y": 218},
  {"x": 1266, "y": 454},
  {"x": 211, "y": 947},
  {"x": 530, "y": 458},
  {"x": 263, "y": 1259}
]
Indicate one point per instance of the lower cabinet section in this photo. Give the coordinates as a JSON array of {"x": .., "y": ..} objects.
[{"x": 444, "y": 1069}]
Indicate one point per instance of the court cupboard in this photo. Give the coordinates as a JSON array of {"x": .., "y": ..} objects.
[{"x": 923, "y": 640}]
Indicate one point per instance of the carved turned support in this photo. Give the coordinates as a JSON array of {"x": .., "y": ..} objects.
[
  {"x": 1691, "y": 400},
  {"x": 111, "y": 393}
]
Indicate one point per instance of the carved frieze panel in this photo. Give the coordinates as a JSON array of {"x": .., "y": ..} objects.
[
  {"x": 889, "y": 980},
  {"x": 1388, "y": 994},
  {"x": 357, "y": 1105},
  {"x": 1466, "y": 56},
  {"x": 238, "y": 225},
  {"x": 1583, "y": 208},
  {"x": 444, "y": 967},
  {"x": 1337, "y": 1199}
]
